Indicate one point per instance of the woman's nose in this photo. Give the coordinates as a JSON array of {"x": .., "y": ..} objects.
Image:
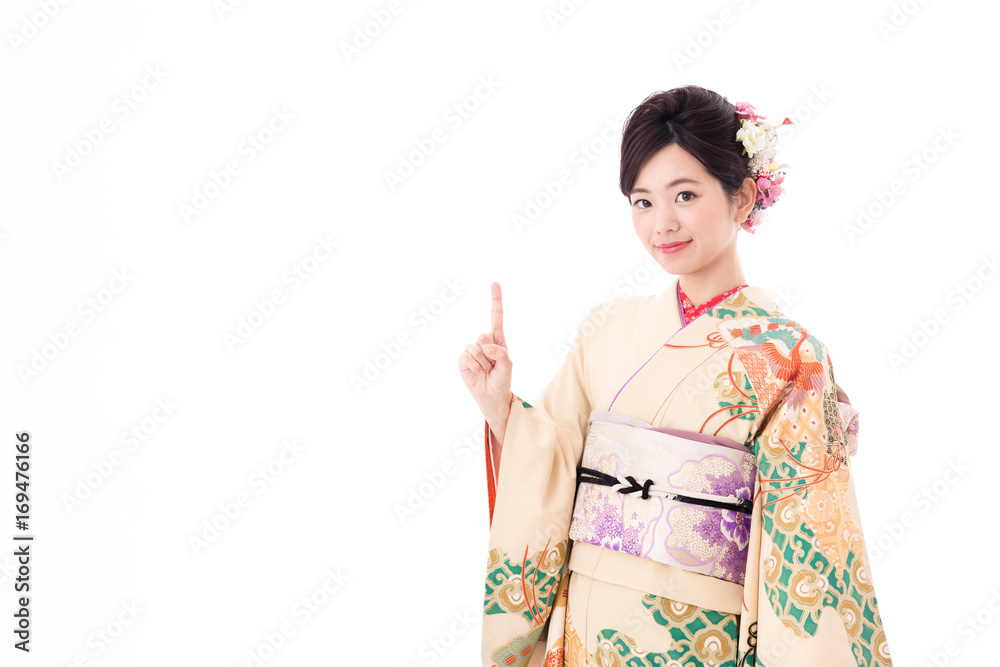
[{"x": 666, "y": 222}]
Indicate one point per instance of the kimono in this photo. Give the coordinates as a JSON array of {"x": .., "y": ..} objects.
[{"x": 573, "y": 577}]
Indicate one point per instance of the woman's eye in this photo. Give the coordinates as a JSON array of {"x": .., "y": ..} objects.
[
  {"x": 686, "y": 192},
  {"x": 638, "y": 201}
]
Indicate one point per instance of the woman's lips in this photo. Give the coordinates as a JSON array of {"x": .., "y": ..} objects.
[{"x": 673, "y": 248}]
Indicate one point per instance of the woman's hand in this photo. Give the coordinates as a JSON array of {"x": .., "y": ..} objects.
[{"x": 486, "y": 368}]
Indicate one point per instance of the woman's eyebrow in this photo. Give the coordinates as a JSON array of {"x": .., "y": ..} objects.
[{"x": 676, "y": 181}]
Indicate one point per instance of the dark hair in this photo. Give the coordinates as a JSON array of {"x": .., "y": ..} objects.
[{"x": 701, "y": 121}]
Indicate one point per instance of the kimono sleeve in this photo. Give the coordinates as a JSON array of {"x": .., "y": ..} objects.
[
  {"x": 531, "y": 502},
  {"x": 811, "y": 597}
]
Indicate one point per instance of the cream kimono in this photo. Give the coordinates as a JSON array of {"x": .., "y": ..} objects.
[{"x": 575, "y": 581}]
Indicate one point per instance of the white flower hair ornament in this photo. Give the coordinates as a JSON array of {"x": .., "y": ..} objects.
[{"x": 760, "y": 142}]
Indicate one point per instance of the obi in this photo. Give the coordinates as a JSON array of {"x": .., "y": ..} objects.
[{"x": 678, "y": 497}]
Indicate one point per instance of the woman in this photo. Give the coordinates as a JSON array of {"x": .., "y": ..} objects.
[{"x": 680, "y": 493}]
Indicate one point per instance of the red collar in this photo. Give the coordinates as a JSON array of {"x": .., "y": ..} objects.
[{"x": 691, "y": 311}]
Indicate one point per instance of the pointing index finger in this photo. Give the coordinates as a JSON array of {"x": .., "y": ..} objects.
[{"x": 496, "y": 313}]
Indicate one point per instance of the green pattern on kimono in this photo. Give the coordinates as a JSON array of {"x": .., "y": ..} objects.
[
  {"x": 840, "y": 585},
  {"x": 724, "y": 311},
  {"x": 701, "y": 638},
  {"x": 804, "y": 475},
  {"x": 525, "y": 585}
]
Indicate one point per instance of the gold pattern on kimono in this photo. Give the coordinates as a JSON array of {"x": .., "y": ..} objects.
[
  {"x": 667, "y": 609},
  {"x": 714, "y": 646},
  {"x": 575, "y": 649},
  {"x": 827, "y": 506},
  {"x": 882, "y": 647},
  {"x": 552, "y": 559},
  {"x": 511, "y": 579},
  {"x": 849, "y": 611},
  {"x": 802, "y": 423}
]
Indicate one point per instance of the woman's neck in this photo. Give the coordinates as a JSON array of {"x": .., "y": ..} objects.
[{"x": 700, "y": 288}]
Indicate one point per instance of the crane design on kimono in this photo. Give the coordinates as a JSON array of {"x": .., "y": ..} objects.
[
  {"x": 800, "y": 365},
  {"x": 803, "y": 374}
]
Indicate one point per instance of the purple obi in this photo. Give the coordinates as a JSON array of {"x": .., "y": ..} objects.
[{"x": 678, "y": 497}]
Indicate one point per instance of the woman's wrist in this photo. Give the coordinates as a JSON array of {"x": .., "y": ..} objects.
[{"x": 498, "y": 420}]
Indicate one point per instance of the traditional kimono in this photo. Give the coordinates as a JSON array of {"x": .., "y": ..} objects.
[{"x": 595, "y": 574}]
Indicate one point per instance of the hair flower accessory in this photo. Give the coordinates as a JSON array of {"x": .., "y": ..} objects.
[{"x": 760, "y": 142}]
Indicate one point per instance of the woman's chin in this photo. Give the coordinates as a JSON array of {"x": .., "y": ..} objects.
[{"x": 670, "y": 265}]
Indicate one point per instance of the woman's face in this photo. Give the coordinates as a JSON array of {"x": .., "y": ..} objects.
[{"x": 676, "y": 200}]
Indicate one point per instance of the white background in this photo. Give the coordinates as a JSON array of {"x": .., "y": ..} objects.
[{"x": 869, "y": 98}]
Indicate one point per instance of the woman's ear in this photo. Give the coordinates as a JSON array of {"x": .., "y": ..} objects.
[{"x": 745, "y": 199}]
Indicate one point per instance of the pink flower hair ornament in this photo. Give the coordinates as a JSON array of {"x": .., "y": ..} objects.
[{"x": 760, "y": 142}]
